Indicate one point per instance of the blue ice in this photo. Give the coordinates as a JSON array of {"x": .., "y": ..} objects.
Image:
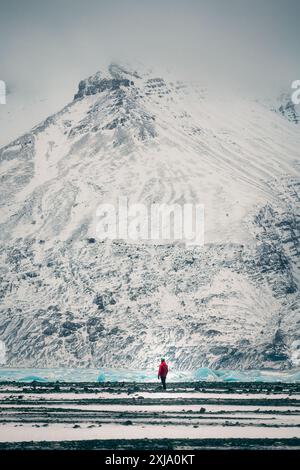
[{"x": 115, "y": 375}]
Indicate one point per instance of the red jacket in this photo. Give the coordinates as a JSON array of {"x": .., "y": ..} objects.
[{"x": 163, "y": 369}]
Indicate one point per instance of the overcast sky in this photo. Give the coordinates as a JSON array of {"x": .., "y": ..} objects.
[{"x": 46, "y": 47}]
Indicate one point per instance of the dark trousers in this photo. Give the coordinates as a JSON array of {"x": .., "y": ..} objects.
[{"x": 163, "y": 381}]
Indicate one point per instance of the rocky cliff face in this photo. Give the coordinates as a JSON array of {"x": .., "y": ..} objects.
[{"x": 70, "y": 299}]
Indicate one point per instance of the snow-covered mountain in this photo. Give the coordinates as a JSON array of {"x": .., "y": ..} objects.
[{"x": 68, "y": 299}]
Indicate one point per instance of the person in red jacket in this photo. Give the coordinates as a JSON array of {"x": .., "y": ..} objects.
[{"x": 163, "y": 372}]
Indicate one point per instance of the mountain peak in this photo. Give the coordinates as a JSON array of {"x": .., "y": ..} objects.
[
  {"x": 113, "y": 77},
  {"x": 99, "y": 82}
]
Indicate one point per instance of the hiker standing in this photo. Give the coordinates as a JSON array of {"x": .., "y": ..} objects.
[{"x": 163, "y": 372}]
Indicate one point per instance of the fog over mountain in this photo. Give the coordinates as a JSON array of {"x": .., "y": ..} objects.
[{"x": 48, "y": 47}]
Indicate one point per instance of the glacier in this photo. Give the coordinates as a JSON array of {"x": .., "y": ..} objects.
[
  {"x": 73, "y": 375},
  {"x": 69, "y": 300}
]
